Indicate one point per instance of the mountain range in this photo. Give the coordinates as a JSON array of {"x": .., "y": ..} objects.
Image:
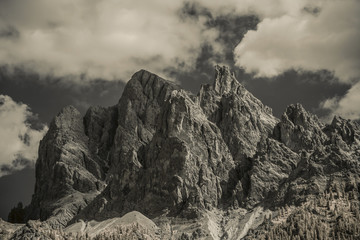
[{"x": 164, "y": 163}]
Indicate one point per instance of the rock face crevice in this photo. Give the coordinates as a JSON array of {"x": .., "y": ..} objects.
[
  {"x": 299, "y": 130},
  {"x": 167, "y": 153},
  {"x": 242, "y": 118},
  {"x": 159, "y": 142},
  {"x": 66, "y": 166}
]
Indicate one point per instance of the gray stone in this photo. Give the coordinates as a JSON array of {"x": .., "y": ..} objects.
[{"x": 203, "y": 164}]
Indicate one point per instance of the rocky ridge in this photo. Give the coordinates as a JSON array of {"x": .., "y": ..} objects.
[{"x": 216, "y": 165}]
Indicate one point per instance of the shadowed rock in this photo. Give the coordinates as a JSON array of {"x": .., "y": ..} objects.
[
  {"x": 299, "y": 129},
  {"x": 214, "y": 165}
]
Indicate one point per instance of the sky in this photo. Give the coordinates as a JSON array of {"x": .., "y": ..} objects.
[{"x": 82, "y": 53}]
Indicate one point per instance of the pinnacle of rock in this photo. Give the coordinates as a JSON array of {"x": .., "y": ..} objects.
[{"x": 224, "y": 80}]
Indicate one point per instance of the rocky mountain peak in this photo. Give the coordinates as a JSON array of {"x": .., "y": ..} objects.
[
  {"x": 149, "y": 83},
  {"x": 142, "y": 98},
  {"x": 242, "y": 118},
  {"x": 68, "y": 111},
  {"x": 343, "y": 132},
  {"x": 299, "y": 129},
  {"x": 349, "y": 130},
  {"x": 224, "y": 80},
  {"x": 299, "y": 116},
  {"x": 211, "y": 166},
  {"x": 67, "y": 118}
]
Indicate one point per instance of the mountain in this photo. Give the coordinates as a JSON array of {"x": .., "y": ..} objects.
[{"x": 164, "y": 163}]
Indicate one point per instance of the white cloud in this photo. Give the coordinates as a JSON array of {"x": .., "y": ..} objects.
[
  {"x": 107, "y": 39},
  {"x": 18, "y": 142},
  {"x": 347, "y": 106},
  {"x": 113, "y": 39},
  {"x": 307, "y": 35},
  {"x": 298, "y": 39}
]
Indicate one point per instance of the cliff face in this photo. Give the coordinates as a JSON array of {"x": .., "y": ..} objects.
[
  {"x": 179, "y": 152},
  {"x": 167, "y": 153},
  {"x": 242, "y": 119},
  {"x": 68, "y": 173}
]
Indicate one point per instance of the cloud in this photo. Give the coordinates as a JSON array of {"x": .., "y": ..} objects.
[
  {"x": 306, "y": 35},
  {"x": 346, "y": 106},
  {"x": 113, "y": 39},
  {"x": 99, "y": 39},
  {"x": 261, "y": 8},
  {"x": 19, "y": 142},
  {"x": 324, "y": 36}
]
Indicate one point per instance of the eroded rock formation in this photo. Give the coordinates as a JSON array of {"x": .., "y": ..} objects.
[{"x": 219, "y": 158}]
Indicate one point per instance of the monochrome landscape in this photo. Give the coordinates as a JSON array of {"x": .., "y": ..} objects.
[{"x": 180, "y": 119}]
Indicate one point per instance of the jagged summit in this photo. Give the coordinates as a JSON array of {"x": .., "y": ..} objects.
[
  {"x": 212, "y": 166},
  {"x": 299, "y": 129},
  {"x": 224, "y": 80},
  {"x": 343, "y": 133},
  {"x": 144, "y": 76},
  {"x": 149, "y": 82},
  {"x": 68, "y": 173},
  {"x": 66, "y": 118},
  {"x": 348, "y": 130},
  {"x": 299, "y": 116}
]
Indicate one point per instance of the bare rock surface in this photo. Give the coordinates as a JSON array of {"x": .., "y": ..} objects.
[
  {"x": 67, "y": 172},
  {"x": 242, "y": 119},
  {"x": 164, "y": 163},
  {"x": 7, "y": 230},
  {"x": 299, "y": 130}
]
